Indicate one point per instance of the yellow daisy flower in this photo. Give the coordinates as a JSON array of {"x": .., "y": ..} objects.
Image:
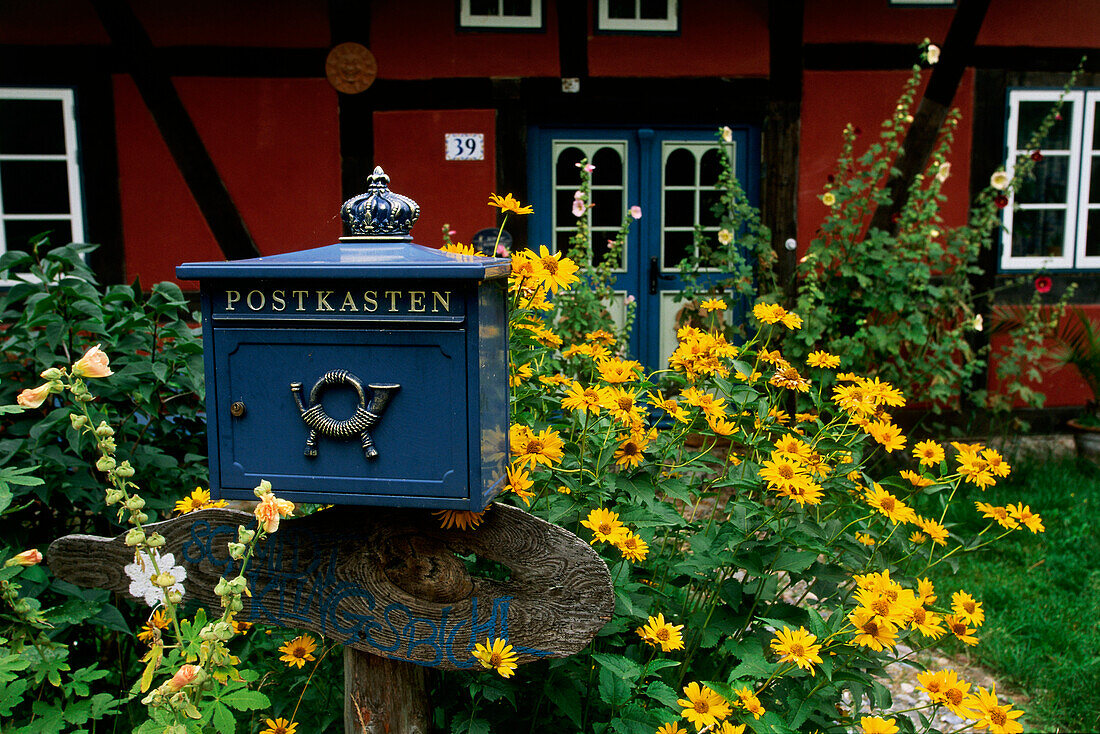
[
  {"x": 508, "y": 203},
  {"x": 298, "y": 651},
  {"x": 657, "y": 631},
  {"x": 797, "y": 646},
  {"x": 703, "y": 707},
  {"x": 497, "y": 655},
  {"x": 279, "y": 726}
]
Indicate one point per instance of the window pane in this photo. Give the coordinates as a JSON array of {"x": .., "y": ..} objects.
[
  {"x": 484, "y": 7},
  {"x": 680, "y": 168},
  {"x": 654, "y": 9},
  {"x": 35, "y": 187},
  {"x": 561, "y": 240},
  {"x": 517, "y": 7},
  {"x": 18, "y": 233},
  {"x": 621, "y": 9},
  {"x": 599, "y": 244},
  {"x": 609, "y": 168},
  {"x": 709, "y": 168},
  {"x": 1049, "y": 184},
  {"x": 1092, "y": 236},
  {"x": 608, "y": 211},
  {"x": 31, "y": 127},
  {"x": 679, "y": 208},
  {"x": 1038, "y": 232},
  {"x": 1031, "y": 116},
  {"x": 1096, "y": 126},
  {"x": 567, "y": 173},
  {"x": 708, "y": 200},
  {"x": 1094, "y": 180},
  {"x": 564, "y": 210},
  {"x": 677, "y": 246}
]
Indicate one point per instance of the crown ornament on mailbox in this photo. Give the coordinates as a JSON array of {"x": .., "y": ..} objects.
[{"x": 379, "y": 213}]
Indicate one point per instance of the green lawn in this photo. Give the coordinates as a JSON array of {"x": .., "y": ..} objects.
[{"x": 1041, "y": 592}]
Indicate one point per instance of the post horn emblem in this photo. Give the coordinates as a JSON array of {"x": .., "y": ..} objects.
[{"x": 366, "y": 415}]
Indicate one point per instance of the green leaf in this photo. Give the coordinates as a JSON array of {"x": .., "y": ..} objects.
[
  {"x": 223, "y": 720},
  {"x": 568, "y": 701},
  {"x": 11, "y": 695},
  {"x": 245, "y": 700},
  {"x": 614, "y": 690},
  {"x": 660, "y": 691},
  {"x": 620, "y": 666},
  {"x": 633, "y": 719}
]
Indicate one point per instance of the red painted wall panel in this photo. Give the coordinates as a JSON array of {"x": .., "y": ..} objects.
[
  {"x": 717, "y": 38},
  {"x": 275, "y": 143},
  {"x": 270, "y": 23},
  {"x": 49, "y": 22},
  {"x": 1065, "y": 23},
  {"x": 409, "y": 146},
  {"x": 873, "y": 21},
  {"x": 416, "y": 39},
  {"x": 830, "y": 100}
]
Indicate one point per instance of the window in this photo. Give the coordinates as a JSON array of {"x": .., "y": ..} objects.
[
  {"x": 608, "y": 188},
  {"x": 39, "y": 169},
  {"x": 689, "y": 177},
  {"x": 1053, "y": 220},
  {"x": 504, "y": 14},
  {"x": 637, "y": 16}
]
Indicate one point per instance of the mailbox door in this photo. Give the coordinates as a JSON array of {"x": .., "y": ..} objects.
[{"x": 420, "y": 435}]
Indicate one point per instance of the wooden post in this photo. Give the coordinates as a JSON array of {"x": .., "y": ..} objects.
[{"x": 383, "y": 696}]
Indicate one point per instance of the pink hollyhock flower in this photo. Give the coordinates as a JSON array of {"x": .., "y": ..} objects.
[
  {"x": 185, "y": 676},
  {"x": 636, "y": 212},
  {"x": 270, "y": 510},
  {"x": 1043, "y": 284},
  {"x": 34, "y": 398},
  {"x": 578, "y": 207},
  {"x": 589, "y": 168},
  {"x": 30, "y": 557},
  {"x": 94, "y": 363}
]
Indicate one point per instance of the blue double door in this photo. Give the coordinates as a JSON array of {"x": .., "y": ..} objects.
[{"x": 671, "y": 175}]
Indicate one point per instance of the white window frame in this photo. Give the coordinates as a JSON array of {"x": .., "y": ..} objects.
[
  {"x": 467, "y": 19},
  {"x": 71, "y": 157},
  {"x": 589, "y": 147},
  {"x": 1073, "y": 245},
  {"x": 1089, "y": 157},
  {"x": 697, "y": 148},
  {"x": 671, "y": 24}
]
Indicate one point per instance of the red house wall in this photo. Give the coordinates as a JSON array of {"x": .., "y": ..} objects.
[
  {"x": 270, "y": 23},
  {"x": 832, "y": 99},
  {"x": 410, "y": 145},
  {"x": 717, "y": 38},
  {"x": 430, "y": 47},
  {"x": 275, "y": 143}
]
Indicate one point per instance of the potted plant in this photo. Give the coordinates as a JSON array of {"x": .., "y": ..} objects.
[{"x": 1079, "y": 338}]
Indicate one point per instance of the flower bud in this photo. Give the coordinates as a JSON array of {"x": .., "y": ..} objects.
[
  {"x": 173, "y": 596},
  {"x": 136, "y": 536},
  {"x": 263, "y": 489},
  {"x": 163, "y": 579},
  {"x": 156, "y": 540},
  {"x": 222, "y": 587},
  {"x": 244, "y": 535},
  {"x": 78, "y": 420},
  {"x": 138, "y": 518},
  {"x": 103, "y": 430},
  {"x": 207, "y": 633},
  {"x": 22, "y": 606},
  {"x": 51, "y": 374},
  {"x": 238, "y": 585},
  {"x": 27, "y": 558},
  {"x": 115, "y": 496},
  {"x": 237, "y": 551},
  {"x": 135, "y": 503},
  {"x": 105, "y": 463},
  {"x": 124, "y": 470},
  {"x": 185, "y": 676},
  {"x": 235, "y": 604},
  {"x": 224, "y": 631}
]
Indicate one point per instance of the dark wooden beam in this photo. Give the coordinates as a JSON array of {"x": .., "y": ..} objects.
[
  {"x": 350, "y": 20},
  {"x": 99, "y": 168},
  {"x": 573, "y": 38},
  {"x": 782, "y": 127},
  {"x": 131, "y": 41},
  {"x": 511, "y": 148},
  {"x": 921, "y": 137}
]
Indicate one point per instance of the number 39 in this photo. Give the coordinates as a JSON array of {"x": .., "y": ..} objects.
[{"x": 465, "y": 147}]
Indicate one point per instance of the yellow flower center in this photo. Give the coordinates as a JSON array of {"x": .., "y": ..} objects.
[
  {"x": 968, "y": 606},
  {"x": 887, "y": 503},
  {"x": 881, "y": 607},
  {"x": 786, "y": 471}
]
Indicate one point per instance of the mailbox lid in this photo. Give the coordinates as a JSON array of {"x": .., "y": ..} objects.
[
  {"x": 421, "y": 436},
  {"x": 355, "y": 260}
]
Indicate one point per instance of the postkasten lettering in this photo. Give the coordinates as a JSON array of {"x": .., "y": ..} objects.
[{"x": 335, "y": 301}]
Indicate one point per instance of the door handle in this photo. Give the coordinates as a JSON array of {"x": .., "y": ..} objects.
[{"x": 655, "y": 275}]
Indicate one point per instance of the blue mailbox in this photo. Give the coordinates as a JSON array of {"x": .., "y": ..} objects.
[{"x": 369, "y": 372}]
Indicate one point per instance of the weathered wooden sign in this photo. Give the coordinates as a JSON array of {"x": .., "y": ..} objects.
[{"x": 384, "y": 581}]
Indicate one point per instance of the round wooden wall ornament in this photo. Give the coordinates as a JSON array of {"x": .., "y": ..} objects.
[{"x": 350, "y": 68}]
